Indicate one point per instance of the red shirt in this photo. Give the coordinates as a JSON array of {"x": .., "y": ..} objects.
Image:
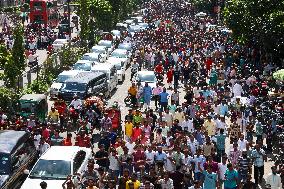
[
  {"x": 136, "y": 133},
  {"x": 45, "y": 134}
]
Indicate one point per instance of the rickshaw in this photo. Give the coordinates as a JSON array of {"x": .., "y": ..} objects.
[{"x": 33, "y": 104}]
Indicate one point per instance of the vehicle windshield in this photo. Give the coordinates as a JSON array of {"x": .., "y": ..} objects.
[
  {"x": 124, "y": 46},
  {"x": 117, "y": 33},
  {"x": 90, "y": 58},
  {"x": 75, "y": 86},
  {"x": 62, "y": 78},
  {"x": 147, "y": 78},
  {"x": 84, "y": 67},
  {"x": 4, "y": 164},
  {"x": 51, "y": 169},
  {"x": 105, "y": 43},
  {"x": 98, "y": 50},
  {"x": 118, "y": 55},
  {"x": 28, "y": 106}
]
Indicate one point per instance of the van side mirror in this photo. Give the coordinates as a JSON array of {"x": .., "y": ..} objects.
[{"x": 26, "y": 172}]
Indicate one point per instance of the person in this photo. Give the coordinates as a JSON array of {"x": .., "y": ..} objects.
[
  {"x": 134, "y": 182},
  {"x": 76, "y": 102},
  {"x": 123, "y": 179},
  {"x": 166, "y": 182},
  {"x": 274, "y": 179},
  {"x": 132, "y": 91},
  {"x": 196, "y": 185},
  {"x": 210, "y": 178},
  {"x": 243, "y": 166},
  {"x": 147, "y": 94},
  {"x": 68, "y": 183},
  {"x": 53, "y": 115},
  {"x": 101, "y": 157},
  {"x": 43, "y": 147},
  {"x": 134, "y": 68},
  {"x": 43, "y": 185},
  {"x": 258, "y": 157},
  {"x": 156, "y": 94},
  {"x": 231, "y": 177},
  {"x": 164, "y": 99},
  {"x": 249, "y": 184}
]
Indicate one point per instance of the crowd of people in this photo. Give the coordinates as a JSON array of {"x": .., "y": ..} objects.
[{"x": 221, "y": 133}]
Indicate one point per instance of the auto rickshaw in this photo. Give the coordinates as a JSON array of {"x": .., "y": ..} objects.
[{"x": 33, "y": 104}]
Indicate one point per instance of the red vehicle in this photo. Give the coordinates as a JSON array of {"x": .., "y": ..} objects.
[{"x": 44, "y": 12}]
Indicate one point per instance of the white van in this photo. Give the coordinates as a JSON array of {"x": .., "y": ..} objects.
[
  {"x": 56, "y": 164},
  {"x": 59, "y": 43},
  {"x": 61, "y": 78},
  {"x": 111, "y": 72}
]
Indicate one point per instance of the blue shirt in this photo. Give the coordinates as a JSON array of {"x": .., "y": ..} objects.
[
  {"x": 209, "y": 180},
  {"x": 220, "y": 141},
  {"x": 224, "y": 109},
  {"x": 160, "y": 156},
  {"x": 231, "y": 176},
  {"x": 164, "y": 97}
]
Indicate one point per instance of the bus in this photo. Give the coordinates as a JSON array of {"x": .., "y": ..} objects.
[{"x": 44, "y": 12}]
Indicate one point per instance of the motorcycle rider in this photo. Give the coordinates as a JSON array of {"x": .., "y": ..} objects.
[
  {"x": 134, "y": 68},
  {"x": 132, "y": 91}
]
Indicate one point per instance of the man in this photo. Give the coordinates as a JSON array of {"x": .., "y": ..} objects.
[
  {"x": 274, "y": 179},
  {"x": 134, "y": 68},
  {"x": 243, "y": 166},
  {"x": 101, "y": 157},
  {"x": 106, "y": 122},
  {"x": 132, "y": 91},
  {"x": 53, "y": 115},
  {"x": 231, "y": 177},
  {"x": 258, "y": 157},
  {"x": 133, "y": 181},
  {"x": 237, "y": 89},
  {"x": 210, "y": 178},
  {"x": 43, "y": 185},
  {"x": 210, "y": 126},
  {"x": 220, "y": 144},
  {"x": 76, "y": 102},
  {"x": 156, "y": 93},
  {"x": 164, "y": 99}
]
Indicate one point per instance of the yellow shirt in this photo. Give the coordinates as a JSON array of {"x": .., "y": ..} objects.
[
  {"x": 53, "y": 115},
  {"x": 136, "y": 184},
  {"x": 132, "y": 91},
  {"x": 210, "y": 127},
  {"x": 128, "y": 129}
]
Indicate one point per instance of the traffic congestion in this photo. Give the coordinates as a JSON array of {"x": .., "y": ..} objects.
[{"x": 166, "y": 100}]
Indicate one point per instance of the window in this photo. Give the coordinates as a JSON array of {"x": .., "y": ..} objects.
[{"x": 78, "y": 160}]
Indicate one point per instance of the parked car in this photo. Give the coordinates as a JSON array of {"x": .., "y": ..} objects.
[
  {"x": 83, "y": 65},
  {"x": 108, "y": 44},
  {"x": 56, "y": 164},
  {"x": 61, "y": 78},
  {"x": 126, "y": 46},
  {"x": 134, "y": 29},
  {"x": 120, "y": 69},
  {"x": 84, "y": 85},
  {"x": 143, "y": 25},
  {"x": 17, "y": 153},
  {"x": 101, "y": 50},
  {"x": 146, "y": 76},
  {"x": 94, "y": 57},
  {"x": 116, "y": 34},
  {"x": 110, "y": 71},
  {"x": 59, "y": 43},
  {"x": 129, "y": 21},
  {"x": 121, "y": 26},
  {"x": 121, "y": 54}
]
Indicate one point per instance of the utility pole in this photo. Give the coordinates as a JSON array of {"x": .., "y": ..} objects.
[{"x": 69, "y": 18}]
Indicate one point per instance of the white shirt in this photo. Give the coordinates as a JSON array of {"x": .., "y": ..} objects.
[
  {"x": 76, "y": 103},
  {"x": 169, "y": 184},
  {"x": 237, "y": 90},
  {"x": 169, "y": 119},
  {"x": 113, "y": 163},
  {"x": 130, "y": 147},
  {"x": 37, "y": 140},
  {"x": 192, "y": 145},
  {"x": 222, "y": 169},
  {"x": 187, "y": 125},
  {"x": 150, "y": 156},
  {"x": 169, "y": 166},
  {"x": 242, "y": 144},
  {"x": 43, "y": 148},
  {"x": 274, "y": 181}
]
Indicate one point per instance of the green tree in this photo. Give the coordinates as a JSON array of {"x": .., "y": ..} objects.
[
  {"x": 84, "y": 19},
  {"x": 101, "y": 10},
  {"x": 18, "y": 51},
  {"x": 258, "y": 21},
  {"x": 116, "y": 7}
]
